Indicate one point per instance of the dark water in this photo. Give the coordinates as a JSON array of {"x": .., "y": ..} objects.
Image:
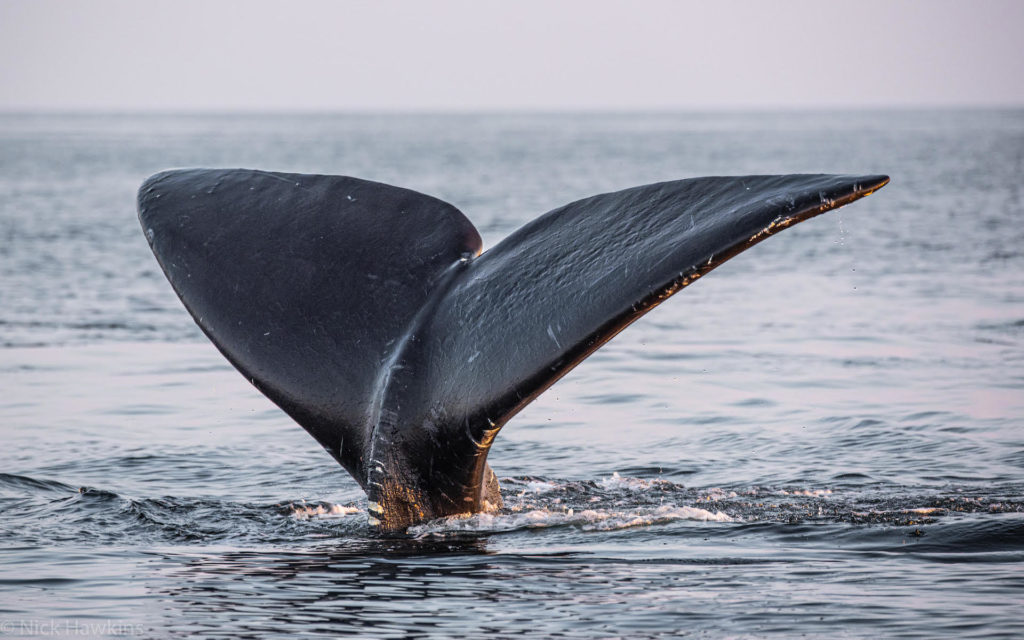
[{"x": 824, "y": 437}]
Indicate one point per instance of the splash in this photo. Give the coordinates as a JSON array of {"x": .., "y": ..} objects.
[
  {"x": 585, "y": 520},
  {"x": 324, "y": 510},
  {"x": 533, "y": 487}
]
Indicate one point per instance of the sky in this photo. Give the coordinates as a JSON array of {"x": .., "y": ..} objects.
[{"x": 483, "y": 55}]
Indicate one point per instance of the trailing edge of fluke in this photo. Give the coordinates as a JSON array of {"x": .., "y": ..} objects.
[{"x": 368, "y": 313}]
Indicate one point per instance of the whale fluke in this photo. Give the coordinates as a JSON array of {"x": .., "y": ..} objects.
[{"x": 369, "y": 315}]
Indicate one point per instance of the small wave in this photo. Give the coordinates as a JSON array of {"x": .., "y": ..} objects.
[
  {"x": 619, "y": 483},
  {"x": 715, "y": 494},
  {"x": 817, "y": 493},
  {"x": 586, "y": 520},
  {"x": 10, "y": 482},
  {"x": 97, "y": 494}
]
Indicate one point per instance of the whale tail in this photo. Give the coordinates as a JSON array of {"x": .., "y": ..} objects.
[{"x": 369, "y": 315}]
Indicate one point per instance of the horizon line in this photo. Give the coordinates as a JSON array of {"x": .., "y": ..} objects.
[{"x": 599, "y": 110}]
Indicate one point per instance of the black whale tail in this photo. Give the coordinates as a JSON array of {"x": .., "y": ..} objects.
[{"x": 368, "y": 314}]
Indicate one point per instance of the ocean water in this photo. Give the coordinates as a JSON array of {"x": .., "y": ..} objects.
[{"x": 824, "y": 437}]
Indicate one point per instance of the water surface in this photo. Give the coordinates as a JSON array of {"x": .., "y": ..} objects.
[{"x": 823, "y": 437}]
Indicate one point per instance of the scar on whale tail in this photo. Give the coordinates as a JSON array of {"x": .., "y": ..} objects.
[{"x": 368, "y": 313}]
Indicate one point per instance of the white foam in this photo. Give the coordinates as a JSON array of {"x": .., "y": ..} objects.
[
  {"x": 587, "y": 520},
  {"x": 540, "y": 486},
  {"x": 321, "y": 511},
  {"x": 518, "y": 487}
]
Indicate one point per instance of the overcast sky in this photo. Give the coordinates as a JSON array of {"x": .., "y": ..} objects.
[{"x": 512, "y": 54}]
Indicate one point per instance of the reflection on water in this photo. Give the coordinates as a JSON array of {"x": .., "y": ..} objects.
[{"x": 579, "y": 588}]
